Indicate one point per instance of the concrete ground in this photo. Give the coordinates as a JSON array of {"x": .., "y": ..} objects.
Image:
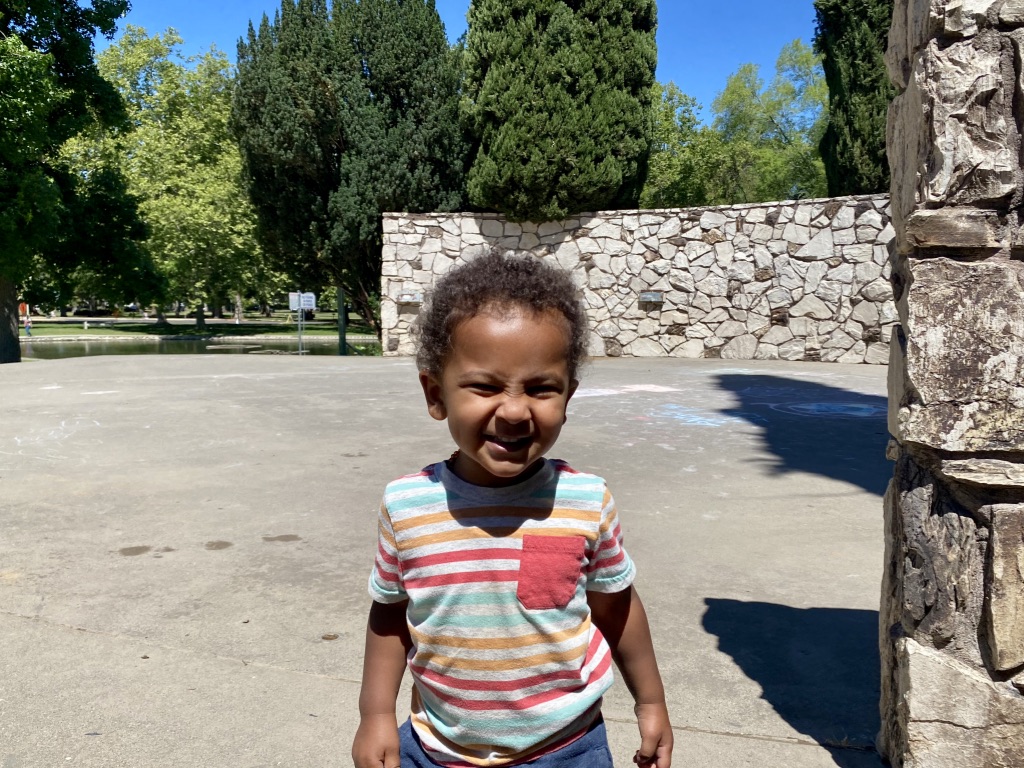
[{"x": 185, "y": 541}]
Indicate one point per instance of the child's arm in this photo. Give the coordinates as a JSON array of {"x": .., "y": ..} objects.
[
  {"x": 387, "y": 645},
  {"x": 621, "y": 618}
]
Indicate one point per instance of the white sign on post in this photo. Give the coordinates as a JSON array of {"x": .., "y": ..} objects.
[{"x": 300, "y": 302}]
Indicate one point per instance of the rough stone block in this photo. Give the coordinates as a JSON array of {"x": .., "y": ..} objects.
[
  {"x": 1012, "y": 13},
  {"x": 914, "y": 22},
  {"x": 983, "y": 473},
  {"x": 933, "y": 586},
  {"x": 811, "y": 306},
  {"x": 963, "y": 151},
  {"x": 492, "y": 228},
  {"x": 740, "y": 348},
  {"x": 961, "y": 384},
  {"x": 1005, "y": 605},
  {"x": 951, "y": 715},
  {"x": 712, "y": 220},
  {"x": 730, "y": 329},
  {"x": 877, "y": 354},
  {"x": 955, "y": 227},
  {"x": 691, "y": 349},
  {"x": 877, "y": 291},
  {"x": 641, "y": 347},
  {"x": 794, "y": 349},
  {"x": 819, "y": 248}
]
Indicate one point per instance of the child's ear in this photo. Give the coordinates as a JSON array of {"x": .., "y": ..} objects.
[
  {"x": 432, "y": 392},
  {"x": 573, "y": 386}
]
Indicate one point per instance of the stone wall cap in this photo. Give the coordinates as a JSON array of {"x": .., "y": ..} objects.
[
  {"x": 637, "y": 211},
  {"x": 984, "y": 472}
]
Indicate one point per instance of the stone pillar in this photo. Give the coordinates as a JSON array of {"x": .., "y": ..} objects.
[{"x": 952, "y": 607}]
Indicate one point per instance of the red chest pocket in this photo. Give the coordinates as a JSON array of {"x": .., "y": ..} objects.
[{"x": 549, "y": 569}]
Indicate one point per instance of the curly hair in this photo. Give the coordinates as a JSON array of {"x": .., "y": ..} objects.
[{"x": 498, "y": 280}]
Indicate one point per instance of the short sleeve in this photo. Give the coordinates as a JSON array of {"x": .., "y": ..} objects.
[
  {"x": 386, "y": 578},
  {"x": 610, "y": 569}
]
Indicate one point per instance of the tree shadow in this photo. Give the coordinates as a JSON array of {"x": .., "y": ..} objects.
[
  {"x": 812, "y": 427},
  {"x": 817, "y": 667}
]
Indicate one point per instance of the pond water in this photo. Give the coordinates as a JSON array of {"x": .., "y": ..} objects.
[{"x": 54, "y": 350}]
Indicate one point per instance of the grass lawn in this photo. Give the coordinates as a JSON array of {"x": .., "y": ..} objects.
[{"x": 101, "y": 326}]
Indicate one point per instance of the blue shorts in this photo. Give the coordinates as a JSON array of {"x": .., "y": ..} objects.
[{"x": 588, "y": 751}]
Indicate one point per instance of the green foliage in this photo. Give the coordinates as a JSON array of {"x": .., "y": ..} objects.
[
  {"x": 97, "y": 250},
  {"x": 760, "y": 146},
  {"x": 341, "y": 114},
  {"x": 63, "y": 30},
  {"x": 29, "y": 96},
  {"x": 683, "y": 155},
  {"x": 771, "y": 132},
  {"x": 557, "y": 101},
  {"x": 50, "y": 91},
  {"x": 851, "y": 37},
  {"x": 182, "y": 166}
]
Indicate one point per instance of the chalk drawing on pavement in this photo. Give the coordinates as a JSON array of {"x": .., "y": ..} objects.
[{"x": 629, "y": 389}]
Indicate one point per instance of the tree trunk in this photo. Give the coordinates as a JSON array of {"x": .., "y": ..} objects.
[{"x": 10, "y": 345}]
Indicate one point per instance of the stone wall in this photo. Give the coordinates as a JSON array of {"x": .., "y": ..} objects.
[
  {"x": 805, "y": 280},
  {"x": 952, "y": 607}
]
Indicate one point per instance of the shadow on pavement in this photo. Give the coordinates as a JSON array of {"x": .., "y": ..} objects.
[
  {"x": 812, "y": 427},
  {"x": 817, "y": 667}
]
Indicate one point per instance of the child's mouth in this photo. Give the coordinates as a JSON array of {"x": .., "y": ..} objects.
[{"x": 509, "y": 444}]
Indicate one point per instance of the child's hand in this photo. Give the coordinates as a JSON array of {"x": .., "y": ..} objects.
[
  {"x": 376, "y": 742},
  {"x": 655, "y": 736}
]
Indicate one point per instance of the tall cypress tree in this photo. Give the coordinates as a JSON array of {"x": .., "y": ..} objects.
[
  {"x": 851, "y": 37},
  {"x": 341, "y": 114},
  {"x": 558, "y": 101}
]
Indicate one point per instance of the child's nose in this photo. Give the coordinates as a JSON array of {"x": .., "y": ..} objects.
[{"x": 513, "y": 408}]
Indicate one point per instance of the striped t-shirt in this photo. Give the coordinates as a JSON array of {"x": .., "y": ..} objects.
[{"x": 506, "y": 662}]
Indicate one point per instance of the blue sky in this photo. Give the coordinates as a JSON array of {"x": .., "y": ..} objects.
[{"x": 700, "y": 43}]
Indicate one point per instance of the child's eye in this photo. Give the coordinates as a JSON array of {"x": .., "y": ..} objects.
[
  {"x": 542, "y": 390},
  {"x": 483, "y": 387}
]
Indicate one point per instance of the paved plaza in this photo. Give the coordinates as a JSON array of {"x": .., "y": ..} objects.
[{"x": 185, "y": 542}]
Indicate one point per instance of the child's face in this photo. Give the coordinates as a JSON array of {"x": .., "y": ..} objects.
[{"x": 504, "y": 390}]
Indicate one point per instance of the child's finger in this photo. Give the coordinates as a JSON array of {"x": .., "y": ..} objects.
[{"x": 659, "y": 757}]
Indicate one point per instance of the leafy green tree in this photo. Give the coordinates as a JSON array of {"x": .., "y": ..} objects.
[
  {"x": 761, "y": 145},
  {"x": 98, "y": 248},
  {"x": 50, "y": 90},
  {"x": 342, "y": 113},
  {"x": 772, "y": 132},
  {"x": 684, "y": 154},
  {"x": 851, "y": 36},
  {"x": 182, "y": 165},
  {"x": 558, "y": 104}
]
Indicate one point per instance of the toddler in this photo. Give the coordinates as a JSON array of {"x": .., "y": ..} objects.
[{"x": 500, "y": 579}]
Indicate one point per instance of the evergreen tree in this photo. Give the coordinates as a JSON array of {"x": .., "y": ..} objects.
[
  {"x": 558, "y": 103},
  {"x": 50, "y": 90},
  {"x": 851, "y": 37},
  {"x": 342, "y": 113}
]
